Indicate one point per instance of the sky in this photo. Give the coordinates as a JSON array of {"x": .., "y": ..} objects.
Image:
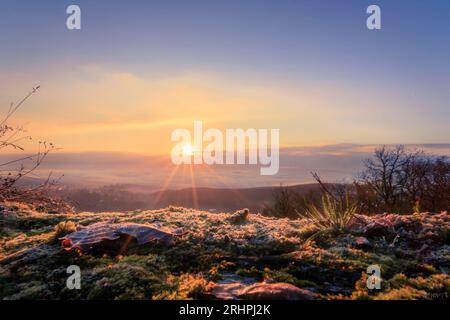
[{"x": 137, "y": 70}]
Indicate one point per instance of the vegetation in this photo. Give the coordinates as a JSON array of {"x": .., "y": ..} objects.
[
  {"x": 14, "y": 171},
  {"x": 398, "y": 180},
  {"x": 395, "y": 179},
  {"x": 63, "y": 228},
  {"x": 412, "y": 250},
  {"x": 334, "y": 216},
  {"x": 315, "y": 246}
]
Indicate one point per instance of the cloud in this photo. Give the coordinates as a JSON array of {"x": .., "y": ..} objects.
[{"x": 94, "y": 108}]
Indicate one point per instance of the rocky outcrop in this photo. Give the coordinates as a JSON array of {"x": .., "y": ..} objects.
[
  {"x": 275, "y": 291},
  {"x": 105, "y": 232},
  {"x": 233, "y": 287}
]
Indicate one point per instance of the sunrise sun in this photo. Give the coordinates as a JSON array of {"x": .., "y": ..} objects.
[{"x": 188, "y": 150}]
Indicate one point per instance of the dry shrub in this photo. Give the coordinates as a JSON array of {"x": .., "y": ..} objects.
[{"x": 65, "y": 227}]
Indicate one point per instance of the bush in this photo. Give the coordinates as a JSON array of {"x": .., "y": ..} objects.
[
  {"x": 335, "y": 215},
  {"x": 401, "y": 180},
  {"x": 63, "y": 228}
]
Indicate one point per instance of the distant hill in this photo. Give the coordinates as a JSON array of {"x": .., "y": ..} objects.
[
  {"x": 223, "y": 199},
  {"x": 120, "y": 198}
]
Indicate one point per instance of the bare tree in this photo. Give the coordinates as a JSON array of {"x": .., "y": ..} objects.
[
  {"x": 384, "y": 174},
  {"x": 285, "y": 202},
  {"x": 11, "y": 172},
  {"x": 427, "y": 182},
  {"x": 396, "y": 179}
]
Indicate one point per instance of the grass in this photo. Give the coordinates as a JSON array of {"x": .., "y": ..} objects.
[
  {"x": 214, "y": 247},
  {"x": 64, "y": 227},
  {"x": 334, "y": 215}
]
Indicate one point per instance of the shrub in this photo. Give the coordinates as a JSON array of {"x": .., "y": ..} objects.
[
  {"x": 63, "y": 228},
  {"x": 335, "y": 215}
]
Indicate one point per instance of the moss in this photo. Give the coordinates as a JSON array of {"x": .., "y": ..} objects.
[
  {"x": 260, "y": 248},
  {"x": 7, "y": 232},
  {"x": 217, "y": 268},
  {"x": 31, "y": 291},
  {"x": 124, "y": 281},
  {"x": 37, "y": 232},
  {"x": 251, "y": 272},
  {"x": 283, "y": 275},
  {"x": 186, "y": 286},
  {"x": 401, "y": 287},
  {"x": 33, "y": 222},
  {"x": 405, "y": 293}
]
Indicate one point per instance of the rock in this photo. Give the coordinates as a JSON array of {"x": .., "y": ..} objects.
[
  {"x": 179, "y": 231},
  {"x": 239, "y": 216},
  {"x": 233, "y": 287},
  {"x": 275, "y": 291},
  {"x": 108, "y": 232},
  {"x": 377, "y": 229},
  {"x": 227, "y": 291},
  {"x": 362, "y": 243},
  {"x": 229, "y": 287}
]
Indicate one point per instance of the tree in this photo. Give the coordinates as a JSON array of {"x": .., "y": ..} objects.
[
  {"x": 285, "y": 202},
  {"x": 10, "y": 138},
  {"x": 384, "y": 175},
  {"x": 396, "y": 179},
  {"x": 427, "y": 182}
]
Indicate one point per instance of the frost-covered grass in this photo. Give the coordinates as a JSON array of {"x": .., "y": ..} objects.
[{"x": 412, "y": 251}]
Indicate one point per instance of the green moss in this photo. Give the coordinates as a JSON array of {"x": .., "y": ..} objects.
[
  {"x": 283, "y": 275},
  {"x": 34, "y": 222},
  {"x": 251, "y": 272},
  {"x": 124, "y": 281},
  {"x": 36, "y": 232},
  {"x": 260, "y": 248}
]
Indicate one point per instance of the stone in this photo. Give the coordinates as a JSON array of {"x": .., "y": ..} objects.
[
  {"x": 239, "y": 216},
  {"x": 362, "y": 243},
  {"x": 275, "y": 291},
  {"x": 107, "y": 232},
  {"x": 377, "y": 229}
]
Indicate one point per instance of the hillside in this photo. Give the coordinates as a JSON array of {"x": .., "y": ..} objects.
[
  {"x": 225, "y": 199},
  {"x": 222, "y": 199},
  {"x": 225, "y": 256}
]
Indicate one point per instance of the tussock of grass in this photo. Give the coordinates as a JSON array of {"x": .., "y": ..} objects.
[
  {"x": 64, "y": 228},
  {"x": 334, "y": 215}
]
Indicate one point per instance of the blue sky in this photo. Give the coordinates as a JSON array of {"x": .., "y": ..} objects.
[
  {"x": 403, "y": 69},
  {"x": 274, "y": 37}
]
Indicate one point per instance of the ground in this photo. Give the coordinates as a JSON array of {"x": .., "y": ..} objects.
[{"x": 220, "y": 255}]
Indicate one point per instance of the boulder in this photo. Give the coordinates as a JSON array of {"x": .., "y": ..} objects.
[
  {"x": 230, "y": 285},
  {"x": 362, "y": 243},
  {"x": 109, "y": 232},
  {"x": 239, "y": 216},
  {"x": 378, "y": 229},
  {"x": 275, "y": 291}
]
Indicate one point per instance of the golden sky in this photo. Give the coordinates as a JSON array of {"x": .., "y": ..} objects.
[{"x": 96, "y": 108}]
